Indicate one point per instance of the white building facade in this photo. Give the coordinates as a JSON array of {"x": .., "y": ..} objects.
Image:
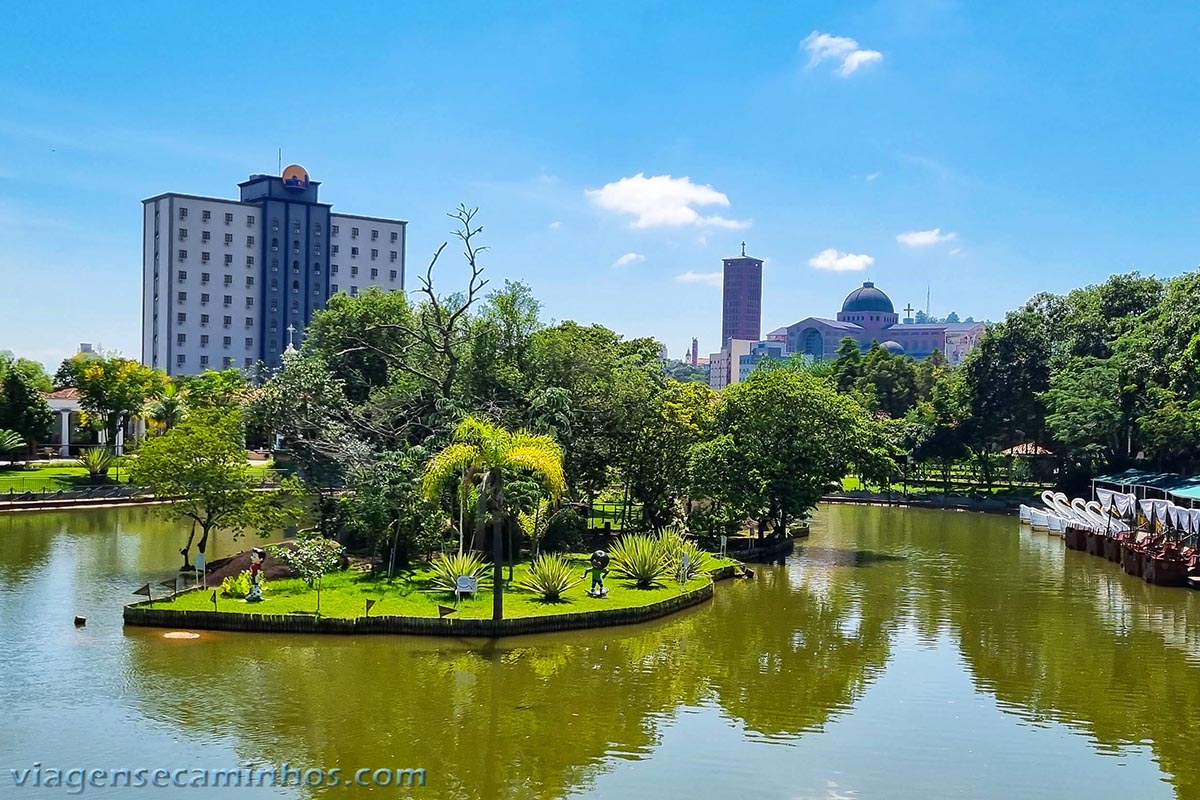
[{"x": 225, "y": 280}]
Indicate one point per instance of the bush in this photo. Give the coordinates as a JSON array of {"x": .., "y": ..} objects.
[
  {"x": 239, "y": 586},
  {"x": 550, "y": 575},
  {"x": 639, "y": 558},
  {"x": 564, "y": 531},
  {"x": 98, "y": 461},
  {"x": 675, "y": 547},
  {"x": 448, "y": 568}
]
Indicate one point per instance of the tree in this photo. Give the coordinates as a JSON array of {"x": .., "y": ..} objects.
[
  {"x": 202, "y": 464},
  {"x": 167, "y": 407},
  {"x": 357, "y": 337},
  {"x": 10, "y": 442},
  {"x": 226, "y": 388},
  {"x": 790, "y": 435},
  {"x": 1083, "y": 409},
  {"x": 386, "y": 506},
  {"x": 495, "y": 455},
  {"x": 23, "y": 409},
  {"x": 33, "y": 371},
  {"x": 113, "y": 389},
  {"x": 847, "y": 363},
  {"x": 888, "y": 382},
  {"x": 313, "y": 556}
]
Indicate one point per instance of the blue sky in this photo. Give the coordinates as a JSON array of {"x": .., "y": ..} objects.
[{"x": 1047, "y": 144}]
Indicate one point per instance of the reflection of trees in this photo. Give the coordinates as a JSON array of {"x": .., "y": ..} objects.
[
  {"x": 1061, "y": 636},
  {"x": 534, "y": 716}
]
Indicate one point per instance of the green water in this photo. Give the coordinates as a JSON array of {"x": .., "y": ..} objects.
[{"x": 897, "y": 654}]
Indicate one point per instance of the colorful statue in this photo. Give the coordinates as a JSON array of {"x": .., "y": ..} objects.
[
  {"x": 257, "y": 556},
  {"x": 598, "y": 570}
]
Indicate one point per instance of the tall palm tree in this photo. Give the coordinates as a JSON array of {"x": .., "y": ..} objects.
[
  {"x": 10, "y": 442},
  {"x": 490, "y": 452},
  {"x": 167, "y": 408}
]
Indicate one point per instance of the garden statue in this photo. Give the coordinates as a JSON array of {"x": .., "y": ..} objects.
[
  {"x": 257, "y": 556},
  {"x": 598, "y": 570}
]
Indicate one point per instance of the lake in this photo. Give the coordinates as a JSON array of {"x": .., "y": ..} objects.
[{"x": 899, "y": 653}]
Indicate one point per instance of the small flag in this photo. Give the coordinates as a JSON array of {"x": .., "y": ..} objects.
[
  {"x": 444, "y": 610},
  {"x": 214, "y": 599},
  {"x": 145, "y": 591},
  {"x": 172, "y": 584},
  {"x": 369, "y": 604}
]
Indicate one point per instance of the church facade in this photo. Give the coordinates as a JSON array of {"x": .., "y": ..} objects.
[{"x": 868, "y": 316}]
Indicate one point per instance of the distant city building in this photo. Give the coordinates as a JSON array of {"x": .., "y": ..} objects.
[
  {"x": 724, "y": 367},
  {"x": 695, "y": 352},
  {"x": 868, "y": 316},
  {"x": 223, "y": 281},
  {"x": 741, "y": 298},
  {"x": 759, "y": 352}
]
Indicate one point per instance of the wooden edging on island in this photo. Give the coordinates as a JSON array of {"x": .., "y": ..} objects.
[{"x": 144, "y": 614}]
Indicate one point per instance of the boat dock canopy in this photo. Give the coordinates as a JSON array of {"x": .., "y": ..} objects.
[{"x": 1163, "y": 483}]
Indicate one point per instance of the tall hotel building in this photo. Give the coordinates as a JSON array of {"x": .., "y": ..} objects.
[
  {"x": 228, "y": 283},
  {"x": 741, "y": 298}
]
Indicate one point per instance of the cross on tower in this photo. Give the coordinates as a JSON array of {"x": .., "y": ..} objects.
[
  {"x": 908, "y": 310},
  {"x": 743, "y": 249}
]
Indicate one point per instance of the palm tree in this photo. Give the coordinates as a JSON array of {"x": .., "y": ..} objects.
[
  {"x": 492, "y": 453},
  {"x": 167, "y": 408},
  {"x": 10, "y": 442}
]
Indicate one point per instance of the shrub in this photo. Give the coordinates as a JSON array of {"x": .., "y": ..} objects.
[
  {"x": 10, "y": 441},
  {"x": 675, "y": 547},
  {"x": 238, "y": 586},
  {"x": 98, "y": 461},
  {"x": 448, "y": 568},
  {"x": 639, "y": 558},
  {"x": 550, "y": 575},
  {"x": 564, "y": 531}
]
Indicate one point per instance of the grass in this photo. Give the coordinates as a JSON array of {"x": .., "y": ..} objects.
[
  {"x": 67, "y": 475},
  {"x": 344, "y": 594},
  {"x": 851, "y": 483}
]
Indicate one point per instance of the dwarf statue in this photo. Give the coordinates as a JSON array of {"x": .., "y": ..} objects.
[
  {"x": 598, "y": 569},
  {"x": 257, "y": 557}
]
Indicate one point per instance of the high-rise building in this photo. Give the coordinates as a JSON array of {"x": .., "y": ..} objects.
[
  {"x": 695, "y": 352},
  {"x": 228, "y": 283},
  {"x": 741, "y": 298}
]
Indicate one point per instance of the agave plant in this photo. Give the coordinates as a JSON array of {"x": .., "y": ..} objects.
[
  {"x": 448, "y": 568},
  {"x": 97, "y": 461},
  {"x": 550, "y": 575},
  {"x": 639, "y": 558},
  {"x": 10, "y": 442},
  {"x": 675, "y": 547}
]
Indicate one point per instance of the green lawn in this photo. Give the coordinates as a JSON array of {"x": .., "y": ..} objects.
[
  {"x": 53, "y": 477},
  {"x": 344, "y": 594},
  {"x": 851, "y": 483}
]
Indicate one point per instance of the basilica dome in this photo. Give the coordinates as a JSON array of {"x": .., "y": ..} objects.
[{"x": 867, "y": 298}]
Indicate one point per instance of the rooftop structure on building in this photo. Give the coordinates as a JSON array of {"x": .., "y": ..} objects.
[{"x": 223, "y": 280}]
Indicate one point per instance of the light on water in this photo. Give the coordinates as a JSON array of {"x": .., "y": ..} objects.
[{"x": 898, "y": 653}]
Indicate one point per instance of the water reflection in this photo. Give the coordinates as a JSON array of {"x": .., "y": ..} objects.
[{"x": 1061, "y": 640}]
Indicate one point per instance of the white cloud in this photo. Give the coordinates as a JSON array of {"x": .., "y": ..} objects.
[
  {"x": 825, "y": 46},
  {"x": 956, "y": 251},
  {"x": 627, "y": 259},
  {"x": 837, "y": 261},
  {"x": 661, "y": 201},
  {"x": 925, "y": 238},
  {"x": 555, "y": 225},
  {"x": 705, "y": 278},
  {"x": 873, "y": 176}
]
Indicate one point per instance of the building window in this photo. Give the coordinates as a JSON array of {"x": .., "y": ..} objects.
[
  {"x": 354, "y": 252},
  {"x": 275, "y": 265},
  {"x": 392, "y": 275},
  {"x": 317, "y": 228},
  {"x": 249, "y": 261},
  {"x": 249, "y": 302},
  {"x": 181, "y": 339},
  {"x": 374, "y": 254},
  {"x": 228, "y": 300},
  {"x": 204, "y": 320},
  {"x": 275, "y": 223},
  {"x": 204, "y": 298},
  {"x": 333, "y": 250},
  {"x": 250, "y": 221},
  {"x": 182, "y": 234},
  {"x": 183, "y": 255},
  {"x": 374, "y": 235},
  {"x": 204, "y": 236},
  {"x": 227, "y": 321},
  {"x": 296, "y": 226},
  {"x": 316, "y": 267},
  {"x": 228, "y": 259},
  {"x": 181, "y": 317},
  {"x": 179, "y": 358},
  {"x": 204, "y": 340},
  {"x": 393, "y": 255},
  {"x": 249, "y": 362},
  {"x": 204, "y": 361},
  {"x": 394, "y": 237},
  {"x": 354, "y": 291},
  {"x": 204, "y": 256},
  {"x": 229, "y": 219},
  {"x": 335, "y": 230},
  {"x": 183, "y": 213},
  {"x": 181, "y": 297},
  {"x": 249, "y": 342},
  {"x": 295, "y": 245},
  {"x": 295, "y": 285},
  {"x": 249, "y": 281},
  {"x": 228, "y": 238},
  {"x": 353, "y": 270},
  {"x": 249, "y": 322},
  {"x": 374, "y": 273},
  {"x": 249, "y": 241},
  {"x": 274, "y": 285},
  {"x": 354, "y": 233},
  {"x": 275, "y": 244},
  {"x": 333, "y": 268},
  {"x": 205, "y": 216},
  {"x": 226, "y": 341},
  {"x": 296, "y": 267},
  {"x": 183, "y": 274},
  {"x": 204, "y": 276},
  {"x": 274, "y": 344},
  {"x": 333, "y": 288}
]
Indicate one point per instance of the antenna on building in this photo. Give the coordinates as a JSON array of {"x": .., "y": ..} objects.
[
  {"x": 928, "y": 289},
  {"x": 280, "y": 170}
]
